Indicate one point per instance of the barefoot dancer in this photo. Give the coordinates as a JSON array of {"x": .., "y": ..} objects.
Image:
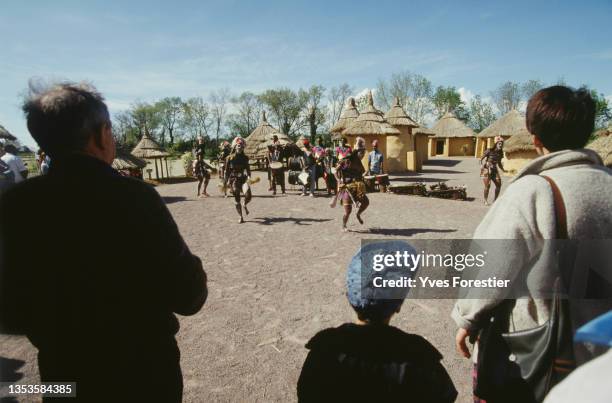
[
  {"x": 492, "y": 158},
  {"x": 351, "y": 188},
  {"x": 224, "y": 151},
  {"x": 200, "y": 171},
  {"x": 237, "y": 173},
  {"x": 275, "y": 157}
]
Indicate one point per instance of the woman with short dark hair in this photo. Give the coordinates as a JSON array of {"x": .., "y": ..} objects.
[{"x": 561, "y": 120}]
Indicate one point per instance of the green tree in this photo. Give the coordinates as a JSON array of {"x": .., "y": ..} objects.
[
  {"x": 170, "y": 111},
  {"x": 315, "y": 111},
  {"x": 245, "y": 119},
  {"x": 147, "y": 119},
  {"x": 448, "y": 99},
  {"x": 481, "y": 114},
  {"x": 603, "y": 112},
  {"x": 286, "y": 107}
]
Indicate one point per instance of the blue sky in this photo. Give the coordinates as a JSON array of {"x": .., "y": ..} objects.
[{"x": 145, "y": 50}]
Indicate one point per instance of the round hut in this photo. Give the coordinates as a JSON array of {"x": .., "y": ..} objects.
[
  {"x": 149, "y": 149},
  {"x": 518, "y": 151},
  {"x": 402, "y": 150},
  {"x": 127, "y": 164},
  {"x": 602, "y": 145},
  {"x": 257, "y": 141},
  {"x": 348, "y": 115},
  {"x": 512, "y": 123},
  {"x": 422, "y": 135},
  {"x": 452, "y": 137},
  {"x": 371, "y": 125}
]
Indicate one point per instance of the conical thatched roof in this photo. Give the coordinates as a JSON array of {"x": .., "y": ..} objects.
[
  {"x": 519, "y": 142},
  {"x": 4, "y": 134},
  {"x": 148, "y": 148},
  {"x": 423, "y": 130},
  {"x": 603, "y": 146},
  {"x": 257, "y": 141},
  {"x": 510, "y": 124},
  {"x": 348, "y": 115},
  {"x": 604, "y": 132},
  {"x": 370, "y": 122},
  {"x": 396, "y": 116},
  {"x": 125, "y": 160},
  {"x": 450, "y": 126}
]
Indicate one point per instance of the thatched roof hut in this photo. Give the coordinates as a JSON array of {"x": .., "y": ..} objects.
[
  {"x": 348, "y": 115},
  {"x": 603, "y": 146},
  {"x": 125, "y": 161},
  {"x": 450, "y": 126},
  {"x": 520, "y": 143},
  {"x": 4, "y": 134},
  {"x": 512, "y": 123},
  {"x": 148, "y": 148},
  {"x": 604, "y": 132},
  {"x": 257, "y": 141},
  {"x": 370, "y": 122},
  {"x": 397, "y": 116}
]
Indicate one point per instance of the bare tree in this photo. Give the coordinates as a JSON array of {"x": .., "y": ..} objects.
[
  {"x": 507, "y": 97},
  {"x": 413, "y": 90},
  {"x": 481, "y": 114},
  {"x": 218, "y": 108},
  {"x": 336, "y": 99},
  {"x": 529, "y": 88},
  {"x": 315, "y": 111},
  {"x": 196, "y": 117}
]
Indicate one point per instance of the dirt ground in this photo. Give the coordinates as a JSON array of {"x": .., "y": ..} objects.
[{"x": 279, "y": 278}]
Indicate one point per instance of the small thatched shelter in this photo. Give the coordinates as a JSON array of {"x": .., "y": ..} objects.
[
  {"x": 402, "y": 152},
  {"x": 518, "y": 151},
  {"x": 348, "y": 115},
  {"x": 452, "y": 137},
  {"x": 512, "y": 123},
  {"x": 603, "y": 146},
  {"x": 371, "y": 125},
  {"x": 5, "y": 135},
  {"x": 147, "y": 148},
  {"x": 127, "y": 163},
  {"x": 259, "y": 138}
]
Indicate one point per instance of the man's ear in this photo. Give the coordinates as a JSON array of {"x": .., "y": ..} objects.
[
  {"x": 98, "y": 137},
  {"x": 537, "y": 142}
]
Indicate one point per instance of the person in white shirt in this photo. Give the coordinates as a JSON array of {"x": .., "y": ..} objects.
[{"x": 8, "y": 154}]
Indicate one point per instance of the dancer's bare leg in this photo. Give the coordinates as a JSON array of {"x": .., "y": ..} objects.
[
  {"x": 497, "y": 182},
  {"x": 364, "y": 205},
  {"x": 487, "y": 186},
  {"x": 347, "y": 212}
]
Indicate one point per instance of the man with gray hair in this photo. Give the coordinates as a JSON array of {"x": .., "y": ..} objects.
[{"x": 100, "y": 309}]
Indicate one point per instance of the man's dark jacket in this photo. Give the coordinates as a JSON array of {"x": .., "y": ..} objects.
[{"x": 92, "y": 270}]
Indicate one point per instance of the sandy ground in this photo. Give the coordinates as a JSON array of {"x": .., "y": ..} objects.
[{"x": 279, "y": 278}]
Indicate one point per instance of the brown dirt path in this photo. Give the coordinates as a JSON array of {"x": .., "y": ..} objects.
[{"x": 279, "y": 278}]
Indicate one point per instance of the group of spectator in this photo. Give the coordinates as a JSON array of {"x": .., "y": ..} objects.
[{"x": 102, "y": 313}]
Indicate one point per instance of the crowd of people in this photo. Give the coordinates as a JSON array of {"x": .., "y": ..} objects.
[{"x": 102, "y": 313}]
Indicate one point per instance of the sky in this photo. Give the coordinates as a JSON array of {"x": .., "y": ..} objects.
[{"x": 147, "y": 50}]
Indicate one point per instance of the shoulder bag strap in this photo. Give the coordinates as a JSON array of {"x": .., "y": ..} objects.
[{"x": 560, "y": 212}]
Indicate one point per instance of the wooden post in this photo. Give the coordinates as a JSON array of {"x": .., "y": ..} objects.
[
  {"x": 167, "y": 173},
  {"x": 156, "y": 171}
]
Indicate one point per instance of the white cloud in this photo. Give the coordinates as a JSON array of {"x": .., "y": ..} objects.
[{"x": 466, "y": 95}]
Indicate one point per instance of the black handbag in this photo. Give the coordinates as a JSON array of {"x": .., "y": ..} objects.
[{"x": 523, "y": 366}]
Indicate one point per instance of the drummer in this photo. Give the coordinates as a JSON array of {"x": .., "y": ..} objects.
[
  {"x": 237, "y": 173},
  {"x": 319, "y": 153},
  {"x": 329, "y": 168},
  {"x": 351, "y": 188},
  {"x": 375, "y": 160},
  {"x": 310, "y": 167},
  {"x": 275, "y": 162}
]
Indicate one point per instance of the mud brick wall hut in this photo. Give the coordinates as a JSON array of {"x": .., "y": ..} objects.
[
  {"x": 452, "y": 138},
  {"x": 402, "y": 149},
  {"x": 511, "y": 124},
  {"x": 147, "y": 148},
  {"x": 258, "y": 140},
  {"x": 603, "y": 146},
  {"x": 518, "y": 151},
  {"x": 422, "y": 136}
]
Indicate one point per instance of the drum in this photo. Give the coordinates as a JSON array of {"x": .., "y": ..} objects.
[
  {"x": 370, "y": 183},
  {"x": 293, "y": 177},
  {"x": 276, "y": 165},
  {"x": 383, "y": 182},
  {"x": 303, "y": 178}
]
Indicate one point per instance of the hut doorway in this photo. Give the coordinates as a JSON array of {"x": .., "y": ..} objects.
[{"x": 440, "y": 147}]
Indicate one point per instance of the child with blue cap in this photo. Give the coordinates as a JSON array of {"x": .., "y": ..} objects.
[{"x": 370, "y": 360}]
